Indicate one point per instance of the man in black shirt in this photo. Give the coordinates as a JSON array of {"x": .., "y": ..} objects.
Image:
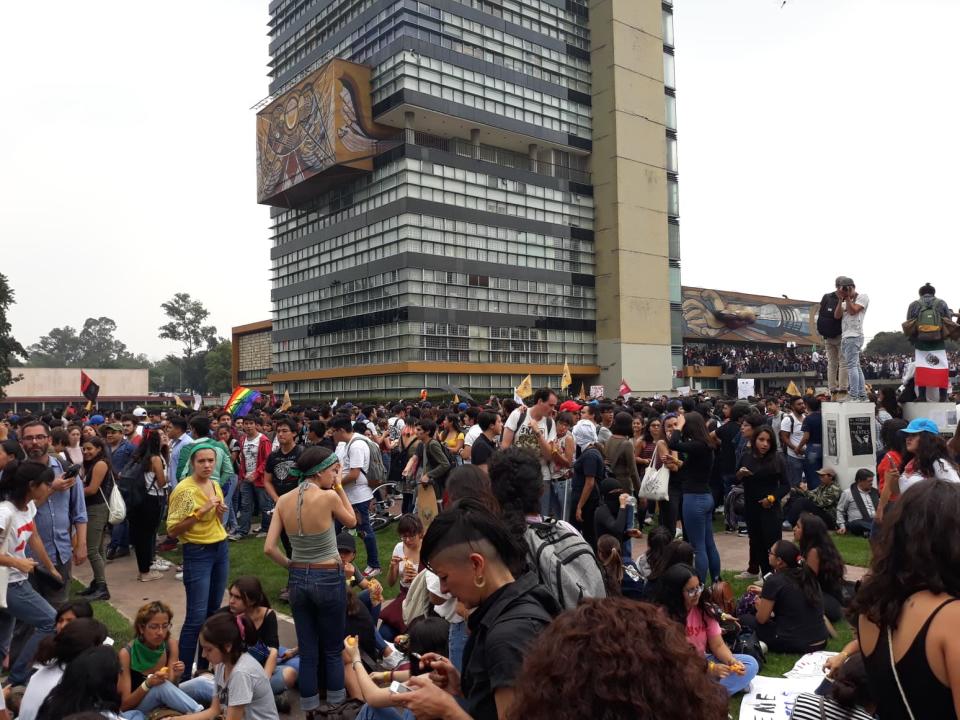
[
  {"x": 486, "y": 443},
  {"x": 830, "y": 330},
  {"x": 277, "y": 479}
]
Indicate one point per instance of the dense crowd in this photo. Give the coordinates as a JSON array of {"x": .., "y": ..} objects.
[{"x": 534, "y": 557}]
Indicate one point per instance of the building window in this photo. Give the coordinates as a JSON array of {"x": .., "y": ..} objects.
[
  {"x": 667, "y": 18},
  {"x": 669, "y": 70},
  {"x": 671, "y": 114},
  {"x": 673, "y": 198},
  {"x": 671, "y": 154}
]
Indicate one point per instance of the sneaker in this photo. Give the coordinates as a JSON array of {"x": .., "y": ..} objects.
[
  {"x": 152, "y": 575},
  {"x": 648, "y": 521},
  {"x": 178, "y": 575},
  {"x": 371, "y": 572},
  {"x": 678, "y": 535},
  {"x": 233, "y": 537},
  {"x": 111, "y": 553},
  {"x": 787, "y": 526},
  {"x": 260, "y": 534},
  {"x": 160, "y": 565},
  {"x": 763, "y": 646},
  {"x": 745, "y": 575},
  {"x": 394, "y": 659}
]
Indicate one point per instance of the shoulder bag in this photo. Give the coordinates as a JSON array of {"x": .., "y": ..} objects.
[{"x": 656, "y": 481}]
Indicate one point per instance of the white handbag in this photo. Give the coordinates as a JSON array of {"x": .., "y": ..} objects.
[{"x": 656, "y": 482}]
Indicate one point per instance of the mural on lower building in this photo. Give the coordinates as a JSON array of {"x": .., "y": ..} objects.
[{"x": 740, "y": 317}]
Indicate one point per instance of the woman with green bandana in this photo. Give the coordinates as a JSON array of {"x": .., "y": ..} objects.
[
  {"x": 150, "y": 665},
  {"x": 318, "y": 594}
]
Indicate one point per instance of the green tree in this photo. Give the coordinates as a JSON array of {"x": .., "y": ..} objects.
[
  {"x": 10, "y": 349},
  {"x": 165, "y": 374},
  {"x": 218, "y": 366},
  {"x": 186, "y": 324},
  {"x": 58, "y": 348},
  {"x": 94, "y": 346},
  {"x": 896, "y": 343},
  {"x": 99, "y": 346}
]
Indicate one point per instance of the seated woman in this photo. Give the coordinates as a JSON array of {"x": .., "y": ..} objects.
[
  {"x": 472, "y": 551},
  {"x": 823, "y": 558},
  {"x": 54, "y": 654},
  {"x": 676, "y": 552},
  {"x": 89, "y": 683},
  {"x": 72, "y": 610},
  {"x": 613, "y": 679},
  {"x": 611, "y": 515},
  {"x": 657, "y": 541},
  {"x": 238, "y": 678},
  {"x": 427, "y": 635},
  {"x": 280, "y": 664},
  {"x": 404, "y": 566},
  {"x": 150, "y": 665},
  {"x": 620, "y": 575},
  {"x": 849, "y": 698},
  {"x": 789, "y": 615},
  {"x": 681, "y": 594}
]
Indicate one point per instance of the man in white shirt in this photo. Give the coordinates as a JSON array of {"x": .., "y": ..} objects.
[
  {"x": 851, "y": 312},
  {"x": 535, "y": 430},
  {"x": 470, "y": 437},
  {"x": 791, "y": 435},
  {"x": 354, "y": 453}
]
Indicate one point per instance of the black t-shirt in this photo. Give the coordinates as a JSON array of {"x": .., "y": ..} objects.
[
  {"x": 728, "y": 435},
  {"x": 589, "y": 464},
  {"x": 813, "y": 424},
  {"x": 279, "y": 465},
  {"x": 798, "y": 622},
  {"x": 482, "y": 450}
]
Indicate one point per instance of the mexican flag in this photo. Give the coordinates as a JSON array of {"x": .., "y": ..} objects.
[{"x": 932, "y": 369}]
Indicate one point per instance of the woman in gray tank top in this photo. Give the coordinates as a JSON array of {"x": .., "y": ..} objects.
[{"x": 317, "y": 585}]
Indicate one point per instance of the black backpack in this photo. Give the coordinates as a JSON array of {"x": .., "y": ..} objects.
[
  {"x": 827, "y": 325},
  {"x": 133, "y": 483}
]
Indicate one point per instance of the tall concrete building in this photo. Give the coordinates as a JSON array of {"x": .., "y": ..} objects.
[{"x": 468, "y": 191}]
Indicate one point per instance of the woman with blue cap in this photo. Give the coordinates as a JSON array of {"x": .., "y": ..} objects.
[{"x": 927, "y": 457}]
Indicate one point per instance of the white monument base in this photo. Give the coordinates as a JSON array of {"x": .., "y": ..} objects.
[
  {"x": 943, "y": 414},
  {"x": 849, "y": 439}
]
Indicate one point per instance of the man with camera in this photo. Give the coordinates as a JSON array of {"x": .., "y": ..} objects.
[
  {"x": 851, "y": 311},
  {"x": 830, "y": 329}
]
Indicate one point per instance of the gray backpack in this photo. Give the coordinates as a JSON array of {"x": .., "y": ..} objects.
[
  {"x": 376, "y": 472},
  {"x": 564, "y": 562}
]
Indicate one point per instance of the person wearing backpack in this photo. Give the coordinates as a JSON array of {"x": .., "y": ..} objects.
[
  {"x": 561, "y": 558},
  {"x": 926, "y": 320},
  {"x": 830, "y": 329},
  {"x": 147, "y": 468},
  {"x": 434, "y": 459},
  {"x": 356, "y": 461}
]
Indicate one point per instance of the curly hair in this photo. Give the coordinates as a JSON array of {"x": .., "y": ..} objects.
[
  {"x": 911, "y": 554},
  {"x": 931, "y": 449},
  {"x": 814, "y": 536},
  {"x": 155, "y": 607},
  {"x": 614, "y": 679}
]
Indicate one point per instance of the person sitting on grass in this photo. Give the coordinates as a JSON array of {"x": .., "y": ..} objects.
[
  {"x": 72, "y": 610},
  {"x": 823, "y": 558},
  {"x": 89, "y": 683},
  {"x": 620, "y": 575},
  {"x": 681, "y": 595},
  {"x": 404, "y": 567},
  {"x": 676, "y": 552},
  {"x": 150, "y": 665},
  {"x": 789, "y": 615},
  {"x": 850, "y": 697}
]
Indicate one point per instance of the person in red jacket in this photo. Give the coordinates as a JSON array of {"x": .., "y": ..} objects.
[{"x": 254, "y": 450}]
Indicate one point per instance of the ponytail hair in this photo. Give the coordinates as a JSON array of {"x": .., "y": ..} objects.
[
  {"x": 608, "y": 552},
  {"x": 230, "y": 634},
  {"x": 798, "y": 572}
]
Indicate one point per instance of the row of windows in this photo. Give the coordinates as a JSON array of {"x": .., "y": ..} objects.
[
  {"x": 325, "y": 23},
  {"x": 390, "y": 386},
  {"x": 538, "y": 16},
  {"x": 444, "y": 80}
]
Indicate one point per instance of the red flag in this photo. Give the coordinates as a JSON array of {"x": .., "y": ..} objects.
[
  {"x": 88, "y": 388},
  {"x": 624, "y": 390}
]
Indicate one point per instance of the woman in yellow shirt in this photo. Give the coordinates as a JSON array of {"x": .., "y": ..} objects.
[
  {"x": 196, "y": 517},
  {"x": 452, "y": 434}
]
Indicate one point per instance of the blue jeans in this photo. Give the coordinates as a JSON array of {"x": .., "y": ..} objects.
[
  {"x": 245, "y": 515},
  {"x": 813, "y": 462},
  {"x": 734, "y": 683},
  {"x": 205, "y": 570},
  {"x": 371, "y": 713},
  {"x": 626, "y": 545},
  {"x": 794, "y": 466},
  {"x": 168, "y": 695},
  {"x": 365, "y": 531},
  {"x": 456, "y": 642},
  {"x": 266, "y": 508},
  {"x": 28, "y": 606},
  {"x": 850, "y": 355},
  {"x": 698, "y": 525},
  {"x": 120, "y": 537},
  {"x": 229, "y": 489},
  {"x": 318, "y": 599}
]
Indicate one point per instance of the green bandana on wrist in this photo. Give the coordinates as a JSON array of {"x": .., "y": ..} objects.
[{"x": 303, "y": 474}]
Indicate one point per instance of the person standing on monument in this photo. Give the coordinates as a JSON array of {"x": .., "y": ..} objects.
[
  {"x": 830, "y": 329},
  {"x": 851, "y": 313},
  {"x": 926, "y": 318}
]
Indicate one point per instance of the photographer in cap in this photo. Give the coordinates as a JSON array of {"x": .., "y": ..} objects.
[{"x": 851, "y": 312}]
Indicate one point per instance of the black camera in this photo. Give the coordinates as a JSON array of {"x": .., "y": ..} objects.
[{"x": 72, "y": 471}]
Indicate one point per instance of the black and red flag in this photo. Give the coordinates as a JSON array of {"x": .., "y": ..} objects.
[{"x": 88, "y": 388}]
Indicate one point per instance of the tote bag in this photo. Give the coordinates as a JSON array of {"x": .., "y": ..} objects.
[{"x": 656, "y": 481}]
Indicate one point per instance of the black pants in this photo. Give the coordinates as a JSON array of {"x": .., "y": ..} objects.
[
  {"x": 144, "y": 521},
  {"x": 763, "y": 530},
  {"x": 799, "y": 505},
  {"x": 768, "y": 633},
  {"x": 670, "y": 510},
  {"x": 587, "y": 526}
]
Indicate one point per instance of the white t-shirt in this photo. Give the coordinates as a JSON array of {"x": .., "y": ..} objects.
[
  {"x": 395, "y": 425},
  {"x": 251, "y": 448},
  {"x": 524, "y": 436},
  {"x": 358, "y": 457},
  {"x": 472, "y": 434},
  {"x": 853, "y": 324},
  {"x": 248, "y": 687},
  {"x": 19, "y": 525},
  {"x": 944, "y": 471},
  {"x": 796, "y": 431},
  {"x": 398, "y": 553},
  {"x": 149, "y": 479},
  {"x": 41, "y": 683}
]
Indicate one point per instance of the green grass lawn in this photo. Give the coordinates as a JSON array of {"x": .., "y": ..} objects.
[
  {"x": 247, "y": 558},
  {"x": 777, "y": 663},
  {"x": 118, "y": 627}
]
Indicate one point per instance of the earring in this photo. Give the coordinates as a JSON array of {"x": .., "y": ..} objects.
[{"x": 480, "y": 581}]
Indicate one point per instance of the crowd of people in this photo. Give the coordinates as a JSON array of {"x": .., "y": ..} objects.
[{"x": 566, "y": 529}]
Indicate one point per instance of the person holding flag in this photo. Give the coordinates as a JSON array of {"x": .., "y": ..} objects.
[
  {"x": 625, "y": 392},
  {"x": 929, "y": 323}
]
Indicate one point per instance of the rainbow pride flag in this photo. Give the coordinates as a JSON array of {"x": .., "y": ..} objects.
[{"x": 241, "y": 401}]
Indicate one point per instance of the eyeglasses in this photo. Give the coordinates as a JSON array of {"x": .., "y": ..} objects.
[
  {"x": 693, "y": 592},
  {"x": 153, "y": 627},
  {"x": 33, "y": 438}
]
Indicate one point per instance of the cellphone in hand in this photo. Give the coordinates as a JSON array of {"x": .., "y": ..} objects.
[{"x": 399, "y": 687}]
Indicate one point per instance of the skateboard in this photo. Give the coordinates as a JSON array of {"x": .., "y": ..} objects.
[{"x": 426, "y": 504}]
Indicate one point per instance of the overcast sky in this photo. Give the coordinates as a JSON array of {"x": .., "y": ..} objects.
[{"x": 816, "y": 139}]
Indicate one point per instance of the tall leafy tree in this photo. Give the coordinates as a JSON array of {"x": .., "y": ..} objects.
[
  {"x": 93, "y": 346},
  {"x": 10, "y": 349},
  {"x": 186, "y": 324},
  {"x": 218, "y": 366},
  {"x": 58, "y": 348}
]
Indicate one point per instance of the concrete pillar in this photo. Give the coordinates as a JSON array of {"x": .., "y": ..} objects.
[
  {"x": 475, "y": 142},
  {"x": 532, "y": 153},
  {"x": 408, "y": 127}
]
